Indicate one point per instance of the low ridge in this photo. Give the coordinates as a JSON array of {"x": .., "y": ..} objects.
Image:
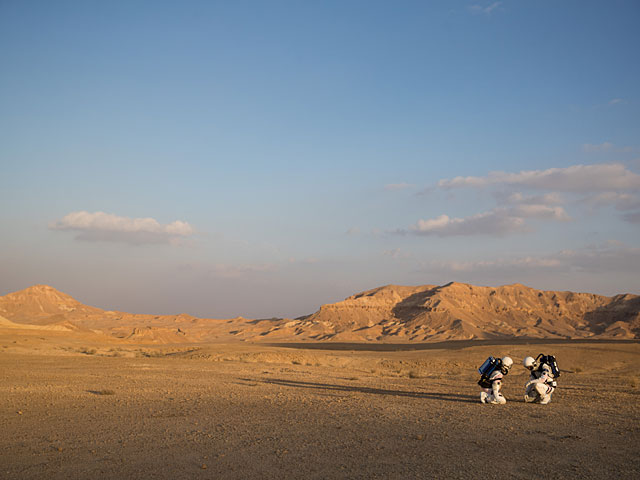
[{"x": 392, "y": 313}]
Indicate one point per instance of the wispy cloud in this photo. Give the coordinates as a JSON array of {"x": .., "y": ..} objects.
[
  {"x": 454, "y": 266},
  {"x": 632, "y": 218},
  {"x": 600, "y": 147},
  {"x": 609, "y": 257},
  {"x": 396, "y": 253},
  {"x": 100, "y": 226},
  {"x": 304, "y": 261},
  {"x": 577, "y": 178},
  {"x": 621, "y": 201},
  {"x": 480, "y": 9},
  {"x": 616, "y": 101},
  {"x": 239, "y": 271},
  {"x": 517, "y": 198},
  {"x": 605, "y": 147}
]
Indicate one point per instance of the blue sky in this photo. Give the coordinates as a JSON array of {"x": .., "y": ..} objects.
[{"x": 263, "y": 158}]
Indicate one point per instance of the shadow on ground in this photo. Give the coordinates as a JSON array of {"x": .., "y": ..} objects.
[{"x": 451, "y": 397}]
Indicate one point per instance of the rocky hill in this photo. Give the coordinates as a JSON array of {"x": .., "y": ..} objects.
[
  {"x": 458, "y": 311},
  {"x": 45, "y": 306},
  {"x": 41, "y": 305},
  {"x": 392, "y": 313}
]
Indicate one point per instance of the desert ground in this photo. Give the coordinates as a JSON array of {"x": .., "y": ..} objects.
[{"x": 74, "y": 410}]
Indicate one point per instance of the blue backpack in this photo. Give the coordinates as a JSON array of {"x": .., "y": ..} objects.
[{"x": 489, "y": 366}]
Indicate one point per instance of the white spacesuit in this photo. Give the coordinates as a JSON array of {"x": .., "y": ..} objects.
[
  {"x": 491, "y": 387},
  {"x": 541, "y": 384}
]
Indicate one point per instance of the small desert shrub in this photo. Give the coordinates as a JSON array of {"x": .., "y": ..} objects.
[
  {"x": 413, "y": 374},
  {"x": 105, "y": 392},
  {"x": 150, "y": 353},
  {"x": 88, "y": 351}
]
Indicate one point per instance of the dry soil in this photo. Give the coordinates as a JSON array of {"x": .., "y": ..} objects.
[{"x": 239, "y": 411}]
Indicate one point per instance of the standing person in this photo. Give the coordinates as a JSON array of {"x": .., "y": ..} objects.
[
  {"x": 542, "y": 381},
  {"x": 492, "y": 371}
]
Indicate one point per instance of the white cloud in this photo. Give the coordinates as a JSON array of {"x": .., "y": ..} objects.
[
  {"x": 616, "y": 101},
  {"x": 100, "y": 226},
  {"x": 495, "y": 222},
  {"x": 607, "y": 184},
  {"x": 499, "y": 221},
  {"x": 539, "y": 211},
  {"x": 577, "y": 178}
]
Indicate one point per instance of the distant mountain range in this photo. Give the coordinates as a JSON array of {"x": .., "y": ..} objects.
[{"x": 401, "y": 314}]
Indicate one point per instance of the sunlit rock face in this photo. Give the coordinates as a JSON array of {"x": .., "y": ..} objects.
[{"x": 393, "y": 313}]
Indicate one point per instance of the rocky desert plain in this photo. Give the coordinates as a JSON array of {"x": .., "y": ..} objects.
[{"x": 380, "y": 385}]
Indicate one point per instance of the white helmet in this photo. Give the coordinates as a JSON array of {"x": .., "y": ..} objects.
[
  {"x": 529, "y": 362},
  {"x": 506, "y": 364}
]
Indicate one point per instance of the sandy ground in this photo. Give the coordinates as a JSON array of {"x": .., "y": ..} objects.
[{"x": 242, "y": 411}]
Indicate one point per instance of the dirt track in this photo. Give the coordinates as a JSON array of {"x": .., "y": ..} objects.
[{"x": 267, "y": 412}]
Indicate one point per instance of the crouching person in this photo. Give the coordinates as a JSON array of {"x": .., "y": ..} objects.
[
  {"x": 492, "y": 371},
  {"x": 542, "y": 381}
]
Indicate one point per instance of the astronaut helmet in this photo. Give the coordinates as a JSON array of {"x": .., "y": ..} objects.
[
  {"x": 529, "y": 362},
  {"x": 506, "y": 365}
]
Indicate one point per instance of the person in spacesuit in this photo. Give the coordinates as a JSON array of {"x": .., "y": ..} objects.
[
  {"x": 542, "y": 381},
  {"x": 492, "y": 383}
]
